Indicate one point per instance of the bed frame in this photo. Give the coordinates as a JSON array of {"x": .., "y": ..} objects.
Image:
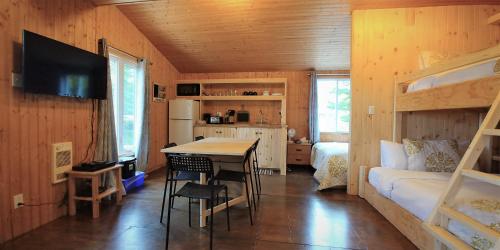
[
  {"x": 478, "y": 93},
  {"x": 470, "y": 95},
  {"x": 408, "y": 224},
  {"x": 459, "y": 98}
]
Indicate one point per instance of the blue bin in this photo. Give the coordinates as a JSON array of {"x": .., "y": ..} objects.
[{"x": 134, "y": 182}]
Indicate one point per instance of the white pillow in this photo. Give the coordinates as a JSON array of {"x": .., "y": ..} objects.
[{"x": 392, "y": 155}]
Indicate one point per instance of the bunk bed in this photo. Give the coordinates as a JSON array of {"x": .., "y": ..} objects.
[
  {"x": 440, "y": 87},
  {"x": 407, "y": 198}
]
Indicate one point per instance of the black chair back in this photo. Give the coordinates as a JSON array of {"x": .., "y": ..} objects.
[
  {"x": 173, "y": 144},
  {"x": 194, "y": 164},
  {"x": 248, "y": 154},
  {"x": 197, "y": 138},
  {"x": 256, "y": 144}
]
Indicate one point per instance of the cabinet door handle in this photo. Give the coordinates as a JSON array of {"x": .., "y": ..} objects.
[
  {"x": 298, "y": 150},
  {"x": 298, "y": 159}
]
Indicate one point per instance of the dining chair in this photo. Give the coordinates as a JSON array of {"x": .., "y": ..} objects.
[
  {"x": 178, "y": 176},
  {"x": 198, "y": 165},
  {"x": 256, "y": 170},
  {"x": 241, "y": 177}
]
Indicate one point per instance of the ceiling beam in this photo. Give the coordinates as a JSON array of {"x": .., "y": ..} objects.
[
  {"x": 121, "y": 2},
  {"x": 389, "y": 4}
]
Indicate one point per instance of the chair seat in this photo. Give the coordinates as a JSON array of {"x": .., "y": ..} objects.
[
  {"x": 229, "y": 175},
  {"x": 198, "y": 191},
  {"x": 187, "y": 176}
]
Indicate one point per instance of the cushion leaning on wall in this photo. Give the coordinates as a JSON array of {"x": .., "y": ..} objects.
[{"x": 392, "y": 155}]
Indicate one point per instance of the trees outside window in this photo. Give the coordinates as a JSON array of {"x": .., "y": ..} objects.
[
  {"x": 124, "y": 73},
  {"x": 334, "y": 104}
]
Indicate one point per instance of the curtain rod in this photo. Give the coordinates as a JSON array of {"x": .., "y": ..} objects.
[
  {"x": 125, "y": 52},
  {"x": 338, "y": 74}
]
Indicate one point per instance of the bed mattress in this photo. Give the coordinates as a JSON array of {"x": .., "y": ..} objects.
[
  {"x": 473, "y": 72},
  {"x": 418, "y": 192}
]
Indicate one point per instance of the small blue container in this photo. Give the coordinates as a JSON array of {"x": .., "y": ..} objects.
[{"x": 134, "y": 182}]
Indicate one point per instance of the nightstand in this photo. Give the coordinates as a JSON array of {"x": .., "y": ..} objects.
[{"x": 298, "y": 154}]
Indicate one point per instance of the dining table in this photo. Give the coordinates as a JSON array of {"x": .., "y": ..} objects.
[{"x": 219, "y": 150}]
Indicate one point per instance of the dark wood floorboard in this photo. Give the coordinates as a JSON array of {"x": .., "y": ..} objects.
[{"x": 291, "y": 215}]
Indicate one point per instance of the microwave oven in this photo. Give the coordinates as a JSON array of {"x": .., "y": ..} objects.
[
  {"x": 188, "y": 89},
  {"x": 215, "y": 120}
]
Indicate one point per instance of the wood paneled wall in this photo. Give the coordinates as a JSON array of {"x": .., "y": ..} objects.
[
  {"x": 297, "y": 97},
  {"x": 387, "y": 43},
  {"x": 31, "y": 123}
]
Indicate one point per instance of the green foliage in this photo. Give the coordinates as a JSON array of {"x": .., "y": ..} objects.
[{"x": 343, "y": 105}]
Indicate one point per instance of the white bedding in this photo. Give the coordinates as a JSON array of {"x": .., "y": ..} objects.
[
  {"x": 476, "y": 71},
  {"x": 330, "y": 161},
  {"x": 418, "y": 193}
]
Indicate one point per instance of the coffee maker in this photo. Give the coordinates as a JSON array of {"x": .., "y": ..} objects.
[{"x": 230, "y": 116}]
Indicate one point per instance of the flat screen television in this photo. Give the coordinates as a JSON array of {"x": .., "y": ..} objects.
[{"x": 55, "y": 68}]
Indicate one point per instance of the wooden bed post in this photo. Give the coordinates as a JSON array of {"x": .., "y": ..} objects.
[
  {"x": 396, "y": 118},
  {"x": 399, "y": 120}
]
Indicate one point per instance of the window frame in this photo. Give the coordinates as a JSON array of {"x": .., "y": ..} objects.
[
  {"x": 337, "y": 136},
  {"x": 122, "y": 59}
]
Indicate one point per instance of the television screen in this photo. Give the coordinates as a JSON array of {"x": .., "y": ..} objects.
[{"x": 55, "y": 68}]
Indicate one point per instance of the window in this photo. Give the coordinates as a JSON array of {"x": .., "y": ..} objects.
[
  {"x": 334, "y": 104},
  {"x": 124, "y": 76}
]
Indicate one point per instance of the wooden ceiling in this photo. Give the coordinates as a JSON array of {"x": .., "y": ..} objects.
[
  {"x": 245, "y": 35},
  {"x": 386, "y": 4}
]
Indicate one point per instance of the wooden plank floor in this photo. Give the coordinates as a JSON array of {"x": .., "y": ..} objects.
[{"x": 291, "y": 215}]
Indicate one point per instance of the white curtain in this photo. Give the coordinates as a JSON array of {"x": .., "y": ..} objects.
[
  {"x": 142, "y": 131},
  {"x": 106, "y": 146},
  {"x": 313, "y": 110}
]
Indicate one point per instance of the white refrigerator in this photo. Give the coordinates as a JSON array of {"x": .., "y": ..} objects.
[{"x": 182, "y": 115}]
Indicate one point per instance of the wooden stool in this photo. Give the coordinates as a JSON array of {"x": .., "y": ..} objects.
[{"x": 96, "y": 196}]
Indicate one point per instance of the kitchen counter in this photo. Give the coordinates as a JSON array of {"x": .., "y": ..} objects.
[{"x": 243, "y": 125}]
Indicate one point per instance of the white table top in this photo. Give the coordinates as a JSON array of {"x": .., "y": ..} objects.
[{"x": 213, "y": 146}]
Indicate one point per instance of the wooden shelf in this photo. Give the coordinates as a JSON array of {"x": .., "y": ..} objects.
[
  {"x": 196, "y": 98},
  {"x": 495, "y": 19},
  {"x": 243, "y": 98},
  {"x": 240, "y": 85},
  {"x": 237, "y": 81},
  {"x": 109, "y": 191},
  {"x": 234, "y": 98}
]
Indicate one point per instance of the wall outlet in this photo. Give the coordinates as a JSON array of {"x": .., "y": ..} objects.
[
  {"x": 371, "y": 110},
  {"x": 17, "y": 80},
  {"x": 18, "y": 198}
]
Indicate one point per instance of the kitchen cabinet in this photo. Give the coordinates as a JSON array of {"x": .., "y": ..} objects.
[
  {"x": 228, "y": 132},
  {"x": 263, "y": 150},
  {"x": 271, "y": 151},
  {"x": 198, "y": 131}
]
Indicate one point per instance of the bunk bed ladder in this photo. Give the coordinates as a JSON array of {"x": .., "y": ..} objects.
[{"x": 437, "y": 223}]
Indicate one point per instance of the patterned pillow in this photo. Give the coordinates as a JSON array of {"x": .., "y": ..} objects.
[{"x": 432, "y": 155}]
